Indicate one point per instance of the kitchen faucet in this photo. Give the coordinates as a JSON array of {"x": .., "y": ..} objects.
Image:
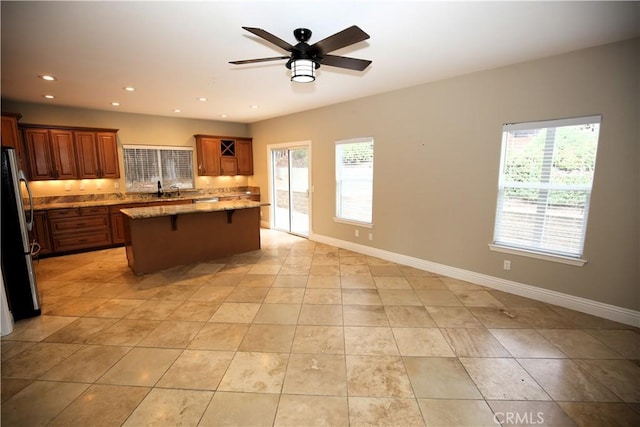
[
  {"x": 177, "y": 187},
  {"x": 159, "y": 189}
]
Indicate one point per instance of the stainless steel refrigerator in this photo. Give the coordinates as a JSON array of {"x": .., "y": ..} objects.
[{"x": 17, "y": 265}]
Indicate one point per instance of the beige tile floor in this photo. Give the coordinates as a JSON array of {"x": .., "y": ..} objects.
[{"x": 301, "y": 333}]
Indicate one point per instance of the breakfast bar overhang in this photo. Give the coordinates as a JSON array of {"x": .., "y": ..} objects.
[{"x": 157, "y": 238}]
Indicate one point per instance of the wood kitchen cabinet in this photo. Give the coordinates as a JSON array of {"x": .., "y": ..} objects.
[
  {"x": 65, "y": 165},
  {"x": 224, "y": 155},
  {"x": 244, "y": 154},
  {"x": 79, "y": 228},
  {"x": 117, "y": 221},
  {"x": 56, "y": 152},
  {"x": 97, "y": 154},
  {"x": 40, "y": 232},
  {"x": 108, "y": 155},
  {"x": 11, "y": 137},
  {"x": 50, "y": 154},
  {"x": 208, "y": 154}
]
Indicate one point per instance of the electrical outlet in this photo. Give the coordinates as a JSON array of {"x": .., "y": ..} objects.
[
  {"x": 98, "y": 185},
  {"x": 67, "y": 186},
  {"x": 507, "y": 264},
  {"x": 357, "y": 233},
  {"x": 116, "y": 185},
  {"x": 81, "y": 186},
  {"x": 370, "y": 236}
]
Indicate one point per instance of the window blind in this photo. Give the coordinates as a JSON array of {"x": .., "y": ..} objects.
[
  {"x": 544, "y": 188},
  {"x": 354, "y": 180},
  {"x": 146, "y": 165}
]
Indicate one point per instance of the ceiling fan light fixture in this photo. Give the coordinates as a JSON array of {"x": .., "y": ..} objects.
[{"x": 303, "y": 71}]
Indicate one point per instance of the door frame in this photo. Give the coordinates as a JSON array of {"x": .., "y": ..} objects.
[{"x": 289, "y": 145}]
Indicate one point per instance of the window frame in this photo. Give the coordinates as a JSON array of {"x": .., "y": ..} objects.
[
  {"x": 159, "y": 149},
  {"x": 338, "y": 199},
  {"x": 543, "y": 184}
]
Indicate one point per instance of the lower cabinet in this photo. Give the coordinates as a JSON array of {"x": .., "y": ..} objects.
[
  {"x": 117, "y": 221},
  {"x": 79, "y": 228},
  {"x": 59, "y": 231},
  {"x": 40, "y": 233}
]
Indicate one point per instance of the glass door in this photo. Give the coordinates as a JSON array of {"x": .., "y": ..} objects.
[{"x": 290, "y": 189}]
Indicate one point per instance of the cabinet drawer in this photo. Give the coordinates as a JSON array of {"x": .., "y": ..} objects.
[
  {"x": 95, "y": 210},
  {"x": 79, "y": 224},
  {"x": 81, "y": 241},
  {"x": 63, "y": 213}
]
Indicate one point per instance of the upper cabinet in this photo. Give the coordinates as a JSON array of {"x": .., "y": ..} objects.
[
  {"x": 219, "y": 155},
  {"x": 11, "y": 137},
  {"x": 244, "y": 153},
  {"x": 71, "y": 153},
  {"x": 108, "y": 155},
  {"x": 65, "y": 165},
  {"x": 208, "y": 153},
  {"x": 97, "y": 154}
]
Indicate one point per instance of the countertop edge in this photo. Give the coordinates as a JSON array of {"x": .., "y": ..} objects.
[
  {"x": 124, "y": 201},
  {"x": 186, "y": 209}
]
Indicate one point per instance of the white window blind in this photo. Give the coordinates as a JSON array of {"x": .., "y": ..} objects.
[
  {"x": 544, "y": 189},
  {"x": 146, "y": 165},
  {"x": 354, "y": 180}
]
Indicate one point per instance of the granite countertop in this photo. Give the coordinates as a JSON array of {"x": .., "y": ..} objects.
[
  {"x": 91, "y": 200},
  {"x": 158, "y": 211}
]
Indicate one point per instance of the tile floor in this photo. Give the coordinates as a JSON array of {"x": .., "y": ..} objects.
[{"x": 301, "y": 334}]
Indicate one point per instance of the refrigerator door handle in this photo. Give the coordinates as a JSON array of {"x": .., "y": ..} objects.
[{"x": 23, "y": 178}]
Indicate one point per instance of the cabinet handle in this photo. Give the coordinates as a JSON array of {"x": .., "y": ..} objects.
[
  {"x": 81, "y": 224},
  {"x": 83, "y": 240}
]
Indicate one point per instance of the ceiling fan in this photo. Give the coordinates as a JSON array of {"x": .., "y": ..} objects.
[{"x": 305, "y": 58}]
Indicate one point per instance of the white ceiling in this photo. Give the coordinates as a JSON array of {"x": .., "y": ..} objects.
[{"x": 174, "y": 52}]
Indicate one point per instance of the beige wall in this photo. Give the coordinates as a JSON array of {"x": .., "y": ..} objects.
[
  {"x": 133, "y": 129},
  {"x": 437, "y": 151}
]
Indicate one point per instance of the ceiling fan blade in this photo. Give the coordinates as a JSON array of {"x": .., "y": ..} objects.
[
  {"x": 270, "y": 38},
  {"x": 344, "y": 38},
  {"x": 251, "y": 61},
  {"x": 345, "y": 62}
]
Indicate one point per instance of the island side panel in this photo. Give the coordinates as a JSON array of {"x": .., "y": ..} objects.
[{"x": 158, "y": 243}]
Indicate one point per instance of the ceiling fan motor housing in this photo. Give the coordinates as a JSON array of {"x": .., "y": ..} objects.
[{"x": 302, "y": 50}]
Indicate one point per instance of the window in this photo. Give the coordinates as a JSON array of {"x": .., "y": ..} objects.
[
  {"x": 354, "y": 180},
  {"x": 145, "y": 165},
  {"x": 546, "y": 173}
]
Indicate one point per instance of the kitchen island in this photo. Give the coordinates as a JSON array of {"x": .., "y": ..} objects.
[{"x": 157, "y": 238}]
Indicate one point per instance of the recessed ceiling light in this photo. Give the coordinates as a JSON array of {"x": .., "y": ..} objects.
[
  {"x": 202, "y": 99},
  {"x": 176, "y": 110},
  {"x": 129, "y": 88},
  {"x": 224, "y": 116},
  {"x": 115, "y": 104},
  {"x": 48, "y": 96},
  {"x": 254, "y": 107},
  {"x": 47, "y": 77}
]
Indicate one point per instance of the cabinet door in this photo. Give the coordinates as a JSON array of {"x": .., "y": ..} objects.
[
  {"x": 40, "y": 232},
  {"x": 87, "y": 150},
  {"x": 11, "y": 138},
  {"x": 108, "y": 155},
  {"x": 208, "y": 153},
  {"x": 228, "y": 165},
  {"x": 64, "y": 154},
  {"x": 244, "y": 154},
  {"x": 39, "y": 154}
]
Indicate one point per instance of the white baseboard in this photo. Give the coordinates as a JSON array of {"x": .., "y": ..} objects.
[{"x": 607, "y": 311}]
